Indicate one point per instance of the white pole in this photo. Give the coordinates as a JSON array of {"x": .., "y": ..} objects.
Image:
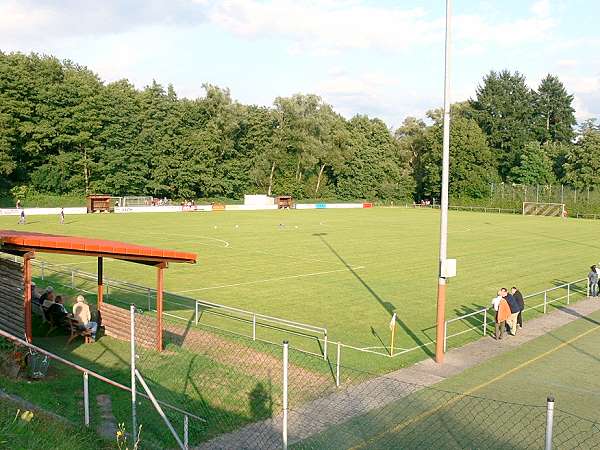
[
  {"x": 86, "y": 400},
  {"x": 253, "y": 327},
  {"x": 337, "y": 365},
  {"x": 133, "y": 384},
  {"x": 568, "y": 293},
  {"x": 160, "y": 411},
  {"x": 196, "y": 313},
  {"x": 485, "y": 322},
  {"x": 285, "y": 395},
  {"x": 445, "y": 334},
  {"x": 186, "y": 428},
  {"x": 545, "y": 300},
  {"x": 325, "y": 347},
  {"x": 549, "y": 422},
  {"x": 441, "y": 299}
]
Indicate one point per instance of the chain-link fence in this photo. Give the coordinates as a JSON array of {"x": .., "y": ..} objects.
[{"x": 510, "y": 197}]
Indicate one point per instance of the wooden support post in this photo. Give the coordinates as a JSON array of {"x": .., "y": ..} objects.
[
  {"x": 159, "y": 304},
  {"x": 100, "y": 282},
  {"x": 27, "y": 257}
]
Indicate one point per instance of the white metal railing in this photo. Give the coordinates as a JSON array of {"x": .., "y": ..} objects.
[
  {"x": 257, "y": 319},
  {"x": 484, "y": 311},
  {"x": 86, "y": 374}
]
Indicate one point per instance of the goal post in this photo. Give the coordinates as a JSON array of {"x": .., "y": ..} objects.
[
  {"x": 543, "y": 209},
  {"x": 137, "y": 201}
]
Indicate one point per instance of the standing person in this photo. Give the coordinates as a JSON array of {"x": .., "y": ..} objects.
[
  {"x": 18, "y": 204},
  {"x": 81, "y": 311},
  {"x": 502, "y": 314},
  {"x": 519, "y": 298},
  {"x": 593, "y": 281},
  {"x": 514, "y": 311},
  {"x": 62, "y": 216},
  {"x": 22, "y": 219}
]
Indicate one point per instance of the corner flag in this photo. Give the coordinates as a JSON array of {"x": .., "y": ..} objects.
[{"x": 393, "y": 322}]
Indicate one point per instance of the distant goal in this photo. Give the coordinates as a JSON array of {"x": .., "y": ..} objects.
[
  {"x": 543, "y": 209},
  {"x": 137, "y": 201}
]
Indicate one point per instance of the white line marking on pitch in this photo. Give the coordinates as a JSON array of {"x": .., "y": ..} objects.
[{"x": 270, "y": 279}]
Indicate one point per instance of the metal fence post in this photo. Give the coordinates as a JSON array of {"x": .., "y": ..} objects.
[
  {"x": 325, "y": 347},
  {"x": 253, "y": 327},
  {"x": 445, "y": 334},
  {"x": 485, "y": 322},
  {"x": 133, "y": 387},
  {"x": 549, "y": 422},
  {"x": 587, "y": 289},
  {"x": 150, "y": 300},
  {"x": 545, "y": 300},
  {"x": 337, "y": 365},
  {"x": 285, "y": 395},
  {"x": 86, "y": 400},
  {"x": 568, "y": 293},
  {"x": 186, "y": 428},
  {"x": 196, "y": 313}
]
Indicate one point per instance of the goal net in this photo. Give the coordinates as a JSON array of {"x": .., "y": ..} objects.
[
  {"x": 543, "y": 209},
  {"x": 137, "y": 201}
]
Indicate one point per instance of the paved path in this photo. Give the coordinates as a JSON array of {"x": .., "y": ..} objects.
[{"x": 318, "y": 415}]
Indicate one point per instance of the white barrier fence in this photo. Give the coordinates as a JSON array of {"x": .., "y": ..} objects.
[
  {"x": 482, "y": 323},
  {"x": 259, "y": 324},
  {"x": 42, "y": 211},
  {"x": 319, "y": 334}
]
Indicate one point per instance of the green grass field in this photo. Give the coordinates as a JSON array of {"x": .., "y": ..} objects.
[
  {"x": 346, "y": 270},
  {"x": 500, "y": 403}
]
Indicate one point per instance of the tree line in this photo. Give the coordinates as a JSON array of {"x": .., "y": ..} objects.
[{"x": 64, "y": 131}]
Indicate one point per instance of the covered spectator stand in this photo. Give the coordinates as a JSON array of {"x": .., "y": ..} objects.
[{"x": 26, "y": 245}]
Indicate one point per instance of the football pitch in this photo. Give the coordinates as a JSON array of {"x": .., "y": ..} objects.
[{"x": 346, "y": 270}]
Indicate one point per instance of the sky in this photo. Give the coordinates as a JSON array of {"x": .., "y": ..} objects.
[{"x": 382, "y": 58}]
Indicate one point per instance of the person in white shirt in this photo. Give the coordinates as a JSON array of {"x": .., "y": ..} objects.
[{"x": 81, "y": 311}]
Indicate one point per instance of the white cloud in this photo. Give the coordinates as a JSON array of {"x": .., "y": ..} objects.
[
  {"x": 327, "y": 24},
  {"x": 541, "y": 8}
]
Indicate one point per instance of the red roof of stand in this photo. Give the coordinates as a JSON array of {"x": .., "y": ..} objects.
[{"x": 19, "y": 242}]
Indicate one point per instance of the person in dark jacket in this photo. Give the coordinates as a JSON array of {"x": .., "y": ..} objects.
[
  {"x": 514, "y": 311},
  {"x": 57, "y": 312},
  {"x": 519, "y": 299}
]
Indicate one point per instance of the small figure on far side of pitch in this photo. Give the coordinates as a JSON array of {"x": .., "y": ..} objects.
[{"x": 62, "y": 216}]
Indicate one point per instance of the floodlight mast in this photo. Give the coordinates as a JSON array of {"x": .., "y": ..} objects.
[{"x": 441, "y": 293}]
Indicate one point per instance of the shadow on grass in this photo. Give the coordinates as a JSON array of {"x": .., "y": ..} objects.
[
  {"x": 389, "y": 307},
  {"x": 226, "y": 396}
]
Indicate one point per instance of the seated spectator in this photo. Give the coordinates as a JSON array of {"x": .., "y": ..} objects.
[
  {"x": 57, "y": 312},
  {"x": 35, "y": 295},
  {"x": 81, "y": 312},
  {"x": 47, "y": 298}
]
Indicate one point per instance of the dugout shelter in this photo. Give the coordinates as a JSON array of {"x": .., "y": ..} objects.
[
  {"x": 98, "y": 203},
  {"x": 15, "y": 284}
]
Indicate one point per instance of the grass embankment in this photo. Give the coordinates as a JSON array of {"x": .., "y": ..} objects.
[{"x": 21, "y": 429}]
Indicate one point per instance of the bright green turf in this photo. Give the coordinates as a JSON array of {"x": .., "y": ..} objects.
[
  {"x": 394, "y": 252},
  {"x": 505, "y": 405}
]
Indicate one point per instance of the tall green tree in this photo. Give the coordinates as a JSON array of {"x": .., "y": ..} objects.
[
  {"x": 503, "y": 109},
  {"x": 554, "y": 112},
  {"x": 472, "y": 163},
  {"x": 535, "y": 167},
  {"x": 582, "y": 167}
]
